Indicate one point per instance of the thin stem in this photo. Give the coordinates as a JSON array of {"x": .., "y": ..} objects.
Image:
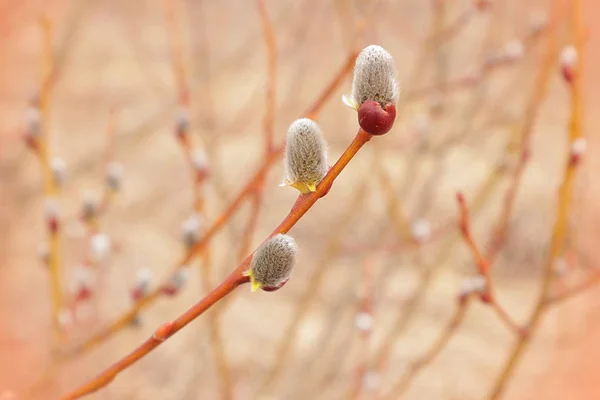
[
  {"x": 218, "y": 223},
  {"x": 564, "y": 200},
  {"x": 382, "y": 355},
  {"x": 487, "y": 295},
  {"x": 198, "y": 181},
  {"x": 50, "y": 188},
  {"x": 317, "y": 279},
  {"x": 233, "y": 280}
]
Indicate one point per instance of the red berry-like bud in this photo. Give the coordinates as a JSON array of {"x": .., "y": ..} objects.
[
  {"x": 84, "y": 293},
  {"x": 169, "y": 290},
  {"x": 374, "y": 119}
]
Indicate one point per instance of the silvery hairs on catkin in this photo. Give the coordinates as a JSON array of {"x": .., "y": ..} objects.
[
  {"x": 306, "y": 153},
  {"x": 375, "y": 77},
  {"x": 273, "y": 262}
]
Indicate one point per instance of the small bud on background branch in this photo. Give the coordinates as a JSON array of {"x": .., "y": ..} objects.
[{"x": 114, "y": 176}]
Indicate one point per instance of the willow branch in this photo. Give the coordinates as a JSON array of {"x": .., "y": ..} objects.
[{"x": 233, "y": 280}]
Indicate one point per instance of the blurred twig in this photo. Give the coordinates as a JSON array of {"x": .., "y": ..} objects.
[
  {"x": 565, "y": 191},
  {"x": 233, "y": 280}
]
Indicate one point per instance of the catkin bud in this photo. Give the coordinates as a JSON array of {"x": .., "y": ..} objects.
[
  {"x": 473, "y": 284},
  {"x": 190, "y": 231},
  {"x": 89, "y": 208},
  {"x": 568, "y": 62},
  {"x": 99, "y": 246},
  {"x": 538, "y": 21},
  {"x": 114, "y": 176},
  {"x": 514, "y": 50},
  {"x": 183, "y": 123},
  {"x": 200, "y": 164},
  {"x": 33, "y": 120},
  {"x": 374, "y": 90},
  {"x": 421, "y": 230},
  {"x": 177, "y": 281},
  {"x": 142, "y": 284},
  {"x": 52, "y": 212},
  {"x": 58, "y": 167},
  {"x": 305, "y": 156},
  {"x": 83, "y": 283},
  {"x": 272, "y": 264},
  {"x": 578, "y": 148},
  {"x": 363, "y": 321}
]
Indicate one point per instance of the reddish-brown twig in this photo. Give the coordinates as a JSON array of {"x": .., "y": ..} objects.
[
  {"x": 233, "y": 280},
  {"x": 564, "y": 195},
  {"x": 217, "y": 224},
  {"x": 50, "y": 189},
  {"x": 317, "y": 280},
  {"x": 487, "y": 295}
]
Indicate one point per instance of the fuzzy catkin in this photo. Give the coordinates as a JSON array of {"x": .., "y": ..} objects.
[
  {"x": 305, "y": 153},
  {"x": 273, "y": 262},
  {"x": 375, "y": 77}
]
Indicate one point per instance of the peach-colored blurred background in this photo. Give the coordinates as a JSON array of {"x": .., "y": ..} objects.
[{"x": 115, "y": 55}]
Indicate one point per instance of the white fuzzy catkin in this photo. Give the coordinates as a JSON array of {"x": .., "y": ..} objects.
[
  {"x": 33, "y": 118},
  {"x": 179, "y": 278},
  {"x": 473, "y": 284},
  {"x": 568, "y": 56},
  {"x": 58, "y": 167},
  {"x": 199, "y": 160},
  {"x": 190, "y": 230},
  {"x": 89, "y": 207},
  {"x": 421, "y": 230},
  {"x": 273, "y": 262},
  {"x": 51, "y": 208},
  {"x": 374, "y": 78},
  {"x": 578, "y": 147},
  {"x": 305, "y": 155},
  {"x": 100, "y": 246},
  {"x": 514, "y": 50},
  {"x": 363, "y": 321},
  {"x": 142, "y": 281},
  {"x": 114, "y": 176}
]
